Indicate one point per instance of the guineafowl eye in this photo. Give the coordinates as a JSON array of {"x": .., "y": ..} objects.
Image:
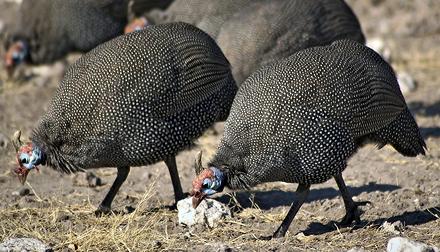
[{"x": 24, "y": 158}]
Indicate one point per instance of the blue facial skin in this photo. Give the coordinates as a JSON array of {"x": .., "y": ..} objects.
[
  {"x": 29, "y": 162},
  {"x": 212, "y": 186},
  {"x": 18, "y": 57}
]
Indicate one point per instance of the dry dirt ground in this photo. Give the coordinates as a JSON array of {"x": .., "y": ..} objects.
[{"x": 59, "y": 210}]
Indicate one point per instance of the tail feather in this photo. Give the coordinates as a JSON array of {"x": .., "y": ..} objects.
[{"x": 403, "y": 134}]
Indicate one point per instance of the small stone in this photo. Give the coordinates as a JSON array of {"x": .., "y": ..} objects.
[
  {"x": 63, "y": 217},
  {"x": 3, "y": 141},
  {"x": 93, "y": 180},
  {"x": 393, "y": 228},
  {"x": 24, "y": 191},
  {"x": 356, "y": 249},
  {"x": 304, "y": 238},
  {"x": 129, "y": 209},
  {"x": 157, "y": 244},
  {"x": 24, "y": 244},
  {"x": 378, "y": 45},
  {"x": 209, "y": 212},
  {"x": 216, "y": 247},
  {"x": 406, "y": 82},
  {"x": 400, "y": 244},
  {"x": 72, "y": 246}
]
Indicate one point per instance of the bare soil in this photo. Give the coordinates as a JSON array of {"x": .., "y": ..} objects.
[{"x": 59, "y": 210}]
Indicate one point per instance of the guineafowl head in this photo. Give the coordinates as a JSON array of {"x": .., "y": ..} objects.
[
  {"x": 28, "y": 157},
  {"x": 208, "y": 182},
  {"x": 136, "y": 25},
  {"x": 16, "y": 54}
]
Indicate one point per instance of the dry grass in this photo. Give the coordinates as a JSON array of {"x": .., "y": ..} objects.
[{"x": 62, "y": 225}]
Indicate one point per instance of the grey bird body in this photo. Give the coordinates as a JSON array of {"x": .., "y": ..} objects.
[
  {"x": 252, "y": 33},
  {"x": 136, "y": 100},
  {"x": 54, "y": 27},
  {"x": 300, "y": 119}
]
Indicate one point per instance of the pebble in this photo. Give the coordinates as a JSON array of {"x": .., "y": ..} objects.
[
  {"x": 93, "y": 180},
  {"x": 22, "y": 192},
  {"x": 406, "y": 82},
  {"x": 129, "y": 209},
  {"x": 216, "y": 247},
  {"x": 393, "y": 228},
  {"x": 3, "y": 141},
  {"x": 356, "y": 249},
  {"x": 378, "y": 45},
  {"x": 24, "y": 245},
  {"x": 400, "y": 244},
  {"x": 209, "y": 212}
]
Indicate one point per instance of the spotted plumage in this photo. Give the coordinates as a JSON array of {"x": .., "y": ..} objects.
[
  {"x": 51, "y": 28},
  {"x": 136, "y": 100},
  {"x": 252, "y": 33},
  {"x": 300, "y": 119}
]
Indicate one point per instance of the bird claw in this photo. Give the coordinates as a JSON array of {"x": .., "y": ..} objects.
[
  {"x": 353, "y": 214},
  {"x": 102, "y": 210}
]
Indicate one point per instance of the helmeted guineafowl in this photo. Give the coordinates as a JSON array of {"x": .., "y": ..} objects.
[
  {"x": 300, "y": 119},
  {"x": 252, "y": 33},
  {"x": 134, "y": 100},
  {"x": 47, "y": 29}
]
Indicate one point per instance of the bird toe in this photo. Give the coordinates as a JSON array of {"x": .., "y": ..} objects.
[{"x": 102, "y": 210}]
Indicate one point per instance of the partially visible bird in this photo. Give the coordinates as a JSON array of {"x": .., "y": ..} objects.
[
  {"x": 132, "y": 101},
  {"x": 300, "y": 119},
  {"x": 253, "y": 33},
  {"x": 47, "y": 29}
]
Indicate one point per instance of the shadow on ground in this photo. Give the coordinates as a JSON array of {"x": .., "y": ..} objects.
[
  {"x": 430, "y": 132},
  {"x": 407, "y": 219},
  {"x": 275, "y": 198},
  {"x": 425, "y": 109}
]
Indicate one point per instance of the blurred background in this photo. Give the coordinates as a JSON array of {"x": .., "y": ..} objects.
[{"x": 405, "y": 33}]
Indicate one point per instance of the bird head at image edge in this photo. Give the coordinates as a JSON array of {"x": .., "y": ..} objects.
[
  {"x": 209, "y": 181},
  {"x": 28, "y": 157}
]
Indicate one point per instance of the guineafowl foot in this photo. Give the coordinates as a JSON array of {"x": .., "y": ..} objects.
[
  {"x": 302, "y": 192},
  {"x": 353, "y": 213},
  {"x": 102, "y": 210},
  {"x": 172, "y": 168}
]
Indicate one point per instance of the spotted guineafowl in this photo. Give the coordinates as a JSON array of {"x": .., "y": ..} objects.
[
  {"x": 252, "y": 33},
  {"x": 300, "y": 119},
  {"x": 47, "y": 29},
  {"x": 134, "y": 100}
]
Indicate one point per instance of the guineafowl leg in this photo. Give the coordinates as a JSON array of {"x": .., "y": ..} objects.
[
  {"x": 172, "y": 167},
  {"x": 105, "y": 206},
  {"x": 351, "y": 207},
  {"x": 302, "y": 191}
]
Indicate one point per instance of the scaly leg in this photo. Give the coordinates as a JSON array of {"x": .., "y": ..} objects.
[
  {"x": 172, "y": 167},
  {"x": 105, "y": 206},
  {"x": 351, "y": 207},
  {"x": 302, "y": 191}
]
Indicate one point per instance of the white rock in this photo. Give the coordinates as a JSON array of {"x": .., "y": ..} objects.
[
  {"x": 400, "y": 244},
  {"x": 356, "y": 249},
  {"x": 393, "y": 228},
  {"x": 209, "y": 212},
  {"x": 24, "y": 245},
  {"x": 378, "y": 45},
  {"x": 406, "y": 82}
]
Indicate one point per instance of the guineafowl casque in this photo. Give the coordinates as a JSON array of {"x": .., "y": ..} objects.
[
  {"x": 48, "y": 29},
  {"x": 300, "y": 119},
  {"x": 132, "y": 101},
  {"x": 252, "y": 33}
]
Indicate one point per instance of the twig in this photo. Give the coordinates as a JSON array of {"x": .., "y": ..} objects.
[{"x": 33, "y": 191}]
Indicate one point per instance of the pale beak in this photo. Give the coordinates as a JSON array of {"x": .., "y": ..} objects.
[
  {"x": 22, "y": 174},
  {"x": 197, "y": 198}
]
